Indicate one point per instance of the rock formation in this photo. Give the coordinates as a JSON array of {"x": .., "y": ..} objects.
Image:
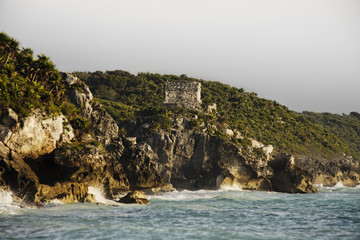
[
  {"x": 191, "y": 160},
  {"x": 40, "y": 159},
  {"x": 329, "y": 172},
  {"x": 134, "y": 197},
  {"x": 43, "y": 158}
]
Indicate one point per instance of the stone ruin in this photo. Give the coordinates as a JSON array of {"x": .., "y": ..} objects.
[{"x": 183, "y": 93}]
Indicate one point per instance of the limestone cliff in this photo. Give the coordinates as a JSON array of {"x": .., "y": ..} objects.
[
  {"x": 44, "y": 157},
  {"x": 192, "y": 160},
  {"x": 41, "y": 160},
  {"x": 330, "y": 171}
]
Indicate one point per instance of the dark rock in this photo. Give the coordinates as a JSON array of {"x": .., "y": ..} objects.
[
  {"x": 18, "y": 176},
  {"x": 139, "y": 167},
  {"x": 191, "y": 160},
  {"x": 9, "y": 118},
  {"x": 330, "y": 171},
  {"x": 135, "y": 197},
  {"x": 290, "y": 178}
]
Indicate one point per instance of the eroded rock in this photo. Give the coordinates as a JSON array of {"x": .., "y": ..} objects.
[
  {"x": 135, "y": 197},
  {"x": 65, "y": 192},
  {"x": 329, "y": 172},
  {"x": 38, "y": 134},
  {"x": 288, "y": 177}
]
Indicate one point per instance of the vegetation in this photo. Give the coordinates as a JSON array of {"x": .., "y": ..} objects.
[
  {"x": 27, "y": 83},
  {"x": 346, "y": 127},
  {"x": 137, "y": 99}
]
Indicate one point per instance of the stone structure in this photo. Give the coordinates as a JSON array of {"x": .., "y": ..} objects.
[{"x": 183, "y": 93}]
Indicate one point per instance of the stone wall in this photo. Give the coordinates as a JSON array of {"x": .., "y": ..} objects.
[{"x": 183, "y": 93}]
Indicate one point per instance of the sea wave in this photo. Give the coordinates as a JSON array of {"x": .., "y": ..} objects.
[
  {"x": 186, "y": 195},
  {"x": 99, "y": 197},
  {"x": 7, "y": 204},
  {"x": 229, "y": 193},
  {"x": 339, "y": 186},
  {"x": 233, "y": 187}
]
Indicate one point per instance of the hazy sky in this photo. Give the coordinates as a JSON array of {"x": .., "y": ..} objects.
[{"x": 305, "y": 53}]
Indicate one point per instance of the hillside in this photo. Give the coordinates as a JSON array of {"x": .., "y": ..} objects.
[
  {"x": 137, "y": 99},
  {"x": 345, "y": 126}
]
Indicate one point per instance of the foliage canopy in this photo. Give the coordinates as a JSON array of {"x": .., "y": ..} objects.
[{"x": 27, "y": 83}]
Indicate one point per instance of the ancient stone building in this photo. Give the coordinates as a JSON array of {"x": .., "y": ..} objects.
[{"x": 183, "y": 93}]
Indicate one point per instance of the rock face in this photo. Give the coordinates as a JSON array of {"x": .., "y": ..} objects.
[
  {"x": 37, "y": 134},
  {"x": 191, "y": 160},
  {"x": 290, "y": 178},
  {"x": 103, "y": 125},
  {"x": 329, "y": 172},
  {"x": 140, "y": 168}
]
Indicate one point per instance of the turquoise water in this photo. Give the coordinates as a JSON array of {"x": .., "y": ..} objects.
[{"x": 334, "y": 213}]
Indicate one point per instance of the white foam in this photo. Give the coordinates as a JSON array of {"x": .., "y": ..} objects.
[
  {"x": 98, "y": 193},
  {"x": 339, "y": 185},
  {"x": 233, "y": 187},
  {"x": 7, "y": 204},
  {"x": 99, "y": 197},
  {"x": 5, "y": 197},
  {"x": 186, "y": 195},
  {"x": 56, "y": 202}
]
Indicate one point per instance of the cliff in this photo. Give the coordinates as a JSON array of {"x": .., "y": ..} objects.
[
  {"x": 57, "y": 141},
  {"x": 42, "y": 158},
  {"x": 135, "y": 101}
]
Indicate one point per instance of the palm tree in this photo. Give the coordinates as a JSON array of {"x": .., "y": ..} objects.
[
  {"x": 8, "y": 46},
  {"x": 24, "y": 62}
]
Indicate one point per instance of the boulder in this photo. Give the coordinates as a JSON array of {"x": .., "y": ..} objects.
[
  {"x": 37, "y": 135},
  {"x": 135, "y": 197}
]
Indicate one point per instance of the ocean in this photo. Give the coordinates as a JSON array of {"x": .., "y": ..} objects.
[{"x": 333, "y": 213}]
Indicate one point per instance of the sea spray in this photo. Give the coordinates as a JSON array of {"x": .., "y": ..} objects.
[
  {"x": 7, "y": 204},
  {"x": 99, "y": 197},
  {"x": 233, "y": 187},
  {"x": 339, "y": 185},
  {"x": 5, "y": 197}
]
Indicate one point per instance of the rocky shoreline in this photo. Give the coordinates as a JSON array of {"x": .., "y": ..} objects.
[{"x": 42, "y": 158}]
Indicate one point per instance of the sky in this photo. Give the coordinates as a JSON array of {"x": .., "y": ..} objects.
[{"x": 304, "y": 54}]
